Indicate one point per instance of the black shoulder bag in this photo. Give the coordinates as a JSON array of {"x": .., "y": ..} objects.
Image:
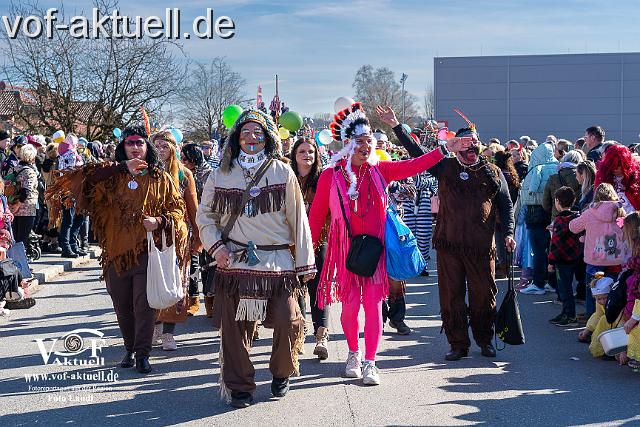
[
  {"x": 508, "y": 322},
  {"x": 364, "y": 250}
]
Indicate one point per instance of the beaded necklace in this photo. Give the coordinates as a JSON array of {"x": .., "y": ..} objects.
[
  {"x": 473, "y": 168},
  {"x": 354, "y": 197}
]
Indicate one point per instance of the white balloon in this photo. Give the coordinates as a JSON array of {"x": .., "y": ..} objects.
[
  {"x": 324, "y": 137},
  {"x": 342, "y": 103}
]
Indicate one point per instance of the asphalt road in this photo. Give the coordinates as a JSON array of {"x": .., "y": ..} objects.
[{"x": 539, "y": 383}]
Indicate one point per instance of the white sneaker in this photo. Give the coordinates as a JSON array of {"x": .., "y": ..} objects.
[
  {"x": 532, "y": 290},
  {"x": 4, "y": 311},
  {"x": 354, "y": 365},
  {"x": 168, "y": 343},
  {"x": 549, "y": 288},
  {"x": 370, "y": 374},
  {"x": 157, "y": 333}
]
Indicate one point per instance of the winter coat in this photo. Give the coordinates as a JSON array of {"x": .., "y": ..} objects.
[
  {"x": 27, "y": 189},
  {"x": 603, "y": 242},
  {"x": 541, "y": 166},
  {"x": 564, "y": 177},
  {"x": 69, "y": 160}
]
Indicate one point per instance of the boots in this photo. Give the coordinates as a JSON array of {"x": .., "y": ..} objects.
[
  {"x": 208, "y": 305},
  {"x": 84, "y": 244},
  {"x": 194, "y": 305},
  {"x": 322, "y": 336}
]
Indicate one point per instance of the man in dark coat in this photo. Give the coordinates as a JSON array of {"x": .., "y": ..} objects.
[{"x": 473, "y": 193}]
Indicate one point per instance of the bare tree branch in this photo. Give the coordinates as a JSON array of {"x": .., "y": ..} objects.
[
  {"x": 209, "y": 89},
  {"x": 90, "y": 84},
  {"x": 379, "y": 86}
]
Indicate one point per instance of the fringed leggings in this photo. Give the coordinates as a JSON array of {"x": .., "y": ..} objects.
[{"x": 368, "y": 297}]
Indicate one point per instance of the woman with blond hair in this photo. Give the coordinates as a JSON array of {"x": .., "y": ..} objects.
[{"x": 183, "y": 179}]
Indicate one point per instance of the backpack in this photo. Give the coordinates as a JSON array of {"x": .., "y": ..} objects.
[
  {"x": 617, "y": 299},
  {"x": 404, "y": 260}
]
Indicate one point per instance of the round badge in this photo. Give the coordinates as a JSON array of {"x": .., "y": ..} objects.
[
  {"x": 132, "y": 185},
  {"x": 73, "y": 343},
  {"x": 464, "y": 176},
  {"x": 255, "y": 191}
]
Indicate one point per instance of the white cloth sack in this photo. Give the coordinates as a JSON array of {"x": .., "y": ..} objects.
[{"x": 164, "y": 284}]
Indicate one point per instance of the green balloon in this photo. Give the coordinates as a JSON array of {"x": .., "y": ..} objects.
[
  {"x": 230, "y": 115},
  {"x": 291, "y": 121}
]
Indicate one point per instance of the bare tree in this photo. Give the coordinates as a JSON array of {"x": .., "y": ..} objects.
[
  {"x": 380, "y": 86},
  {"x": 95, "y": 83},
  {"x": 429, "y": 104},
  {"x": 209, "y": 89}
]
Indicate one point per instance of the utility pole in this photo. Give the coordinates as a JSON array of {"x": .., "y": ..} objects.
[{"x": 402, "y": 80}]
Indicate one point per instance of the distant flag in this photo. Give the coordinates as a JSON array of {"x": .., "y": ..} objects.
[{"x": 259, "y": 97}]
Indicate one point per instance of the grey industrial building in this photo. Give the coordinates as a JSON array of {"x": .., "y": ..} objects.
[{"x": 537, "y": 95}]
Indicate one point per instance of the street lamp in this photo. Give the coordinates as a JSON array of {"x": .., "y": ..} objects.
[{"x": 402, "y": 80}]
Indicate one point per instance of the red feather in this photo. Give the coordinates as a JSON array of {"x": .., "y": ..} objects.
[
  {"x": 469, "y": 123},
  {"x": 145, "y": 118}
]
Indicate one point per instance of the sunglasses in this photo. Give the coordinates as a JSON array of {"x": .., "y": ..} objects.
[{"x": 135, "y": 142}]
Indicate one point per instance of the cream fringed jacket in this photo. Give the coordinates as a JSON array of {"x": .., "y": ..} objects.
[{"x": 276, "y": 216}]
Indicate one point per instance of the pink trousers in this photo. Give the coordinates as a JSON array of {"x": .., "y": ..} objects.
[{"x": 369, "y": 298}]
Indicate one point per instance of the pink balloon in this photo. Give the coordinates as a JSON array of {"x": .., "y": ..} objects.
[{"x": 443, "y": 134}]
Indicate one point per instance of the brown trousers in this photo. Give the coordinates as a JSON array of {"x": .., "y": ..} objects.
[
  {"x": 128, "y": 291},
  {"x": 283, "y": 316},
  {"x": 456, "y": 274}
]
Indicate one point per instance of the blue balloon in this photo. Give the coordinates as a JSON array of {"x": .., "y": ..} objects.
[
  {"x": 117, "y": 133},
  {"x": 177, "y": 134},
  {"x": 406, "y": 127},
  {"x": 316, "y": 138}
]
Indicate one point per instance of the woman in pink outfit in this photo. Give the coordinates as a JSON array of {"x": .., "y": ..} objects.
[{"x": 359, "y": 179}]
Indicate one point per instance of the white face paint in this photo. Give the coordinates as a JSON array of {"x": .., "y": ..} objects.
[{"x": 251, "y": 138}]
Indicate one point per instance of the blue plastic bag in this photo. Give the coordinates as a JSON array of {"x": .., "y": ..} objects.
[{"x": 404, "y": 260}]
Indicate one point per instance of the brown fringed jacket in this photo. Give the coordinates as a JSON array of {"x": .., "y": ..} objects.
[
  {"x": 117, "y": 212},
  {"x": 468, "y": 208}
]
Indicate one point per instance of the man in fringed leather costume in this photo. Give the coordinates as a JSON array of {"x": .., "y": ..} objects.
[{"x": 253, "y": 221}]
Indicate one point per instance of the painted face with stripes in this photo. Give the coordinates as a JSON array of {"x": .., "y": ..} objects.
[{"x": 252, "y": 138}]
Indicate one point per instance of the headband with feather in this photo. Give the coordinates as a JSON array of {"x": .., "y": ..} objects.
[{"x": 470, "y": 124}]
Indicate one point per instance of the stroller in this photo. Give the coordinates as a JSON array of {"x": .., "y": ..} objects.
[{"x": 33, "y": 245}]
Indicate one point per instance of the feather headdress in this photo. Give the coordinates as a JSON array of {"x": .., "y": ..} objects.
[
  {"x": 349, "y": 123},
  {"x": 346, "y": 126}
]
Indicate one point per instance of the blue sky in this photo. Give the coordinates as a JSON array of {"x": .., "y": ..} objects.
[{"x": 317, "y": 46}]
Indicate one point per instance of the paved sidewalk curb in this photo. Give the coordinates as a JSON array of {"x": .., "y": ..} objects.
[{"x": 49, "y": 267}]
